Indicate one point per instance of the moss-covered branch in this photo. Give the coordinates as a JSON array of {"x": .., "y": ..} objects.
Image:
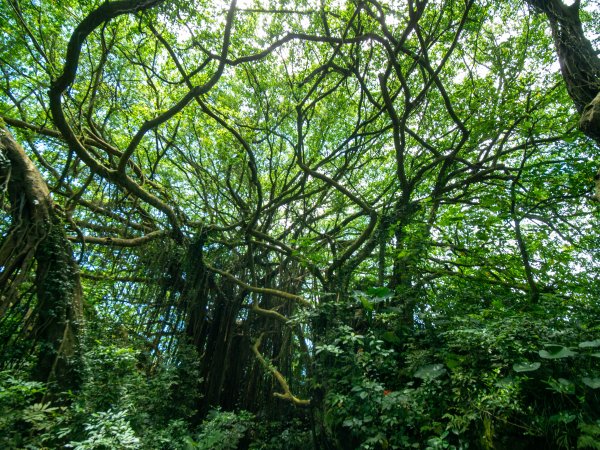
[{"x": 287, "y": 393}]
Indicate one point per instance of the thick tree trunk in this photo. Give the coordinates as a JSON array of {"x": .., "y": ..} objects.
[
  {"x": 59, "y": 308},
  {"x": 579, "y": 62},
  {"x": 36, "y": 237},
  {"x": 579, "y": 65},
  {"x": 407, "y": 252}
]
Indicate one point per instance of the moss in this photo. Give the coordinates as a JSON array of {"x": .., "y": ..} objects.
[
  {"x": 54, "y": 259},
  {"x": 58, "y": 295}
]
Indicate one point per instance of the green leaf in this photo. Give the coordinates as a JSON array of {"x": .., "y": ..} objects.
[
  {"x": 366, "y": 304},
  {"x": 391, "y": 337},
  {"x": 505, "y": 382},
  {"x": 364, "y": 300},
  {"x": 348, "y": 423},
  {"x": 526, "y": 366},
  {"x": 594, "y": 383},
  {"x": 562, "y": 386},
  {"x": 380, "y": 292},
  {"x": 556, "y": 352},
  {"x": 430, "y": 371},
  {"x": 589, "y": 344},
  {"x": 453, "y": 361}
]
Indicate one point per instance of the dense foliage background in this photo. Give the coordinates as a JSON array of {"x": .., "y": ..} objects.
[{"x": 305, "y": 225}]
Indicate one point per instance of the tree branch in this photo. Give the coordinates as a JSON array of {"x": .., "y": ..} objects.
[{"x": 287, "y": 393}]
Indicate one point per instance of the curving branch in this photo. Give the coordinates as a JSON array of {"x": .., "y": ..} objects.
[
  {"x": 259, "y": 290},
  {"x": 119, "y": 242},
  {"x": 287, "y": 393},
  {"x": 96, "y": 18},
  {"x": 192, "y": 94}
]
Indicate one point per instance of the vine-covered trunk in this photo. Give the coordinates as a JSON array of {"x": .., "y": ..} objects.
[
  {"x": 59, "y": 308},
  {"x": 406, "y": 252},
  {"x": 36, "y": 241}
]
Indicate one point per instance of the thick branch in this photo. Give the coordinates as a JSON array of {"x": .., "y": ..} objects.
[
  {"x": 37, "y": 233},
  {"x": 102, "y": 14},
  {"x": 120, "y": 242},
  {"x": 267, "y": 291},
  {"x": 287, "y": 393}
]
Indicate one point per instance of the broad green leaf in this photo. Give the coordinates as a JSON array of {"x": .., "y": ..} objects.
[
  {"x": 526, "y": 366},
  {"x": 505, "y": 382},
  {"x": 556, "y": 352},
  {"x": 380, "y": 292},
  {"x": 453, "y": 361},
  {"x": 562, "y": 385},
  {"x": 364, "y": 300},
  {"x": 391, "y": 337},
  {"x": 589, "y": 344},
  {"x": 366, "y": 304},
  {"x": 430, "y": 371},
  {"x": 563, "y": 417},
  {"x": 594, "y": 383}
]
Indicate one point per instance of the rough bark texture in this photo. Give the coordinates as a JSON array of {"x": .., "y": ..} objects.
[
  {"x": 37, "y": 239},
  {"x": 590, "y": 119},
  {"x": 579, "y": 65},
  {"x": 579, "y": 62}
]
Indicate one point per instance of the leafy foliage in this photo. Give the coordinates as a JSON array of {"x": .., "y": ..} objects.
[
  {"x": 106, "y": 430},
  {"x": 223, "y": 430},
  {"x": 310, "y": 224},
  {"x": 26, "y": 419}
]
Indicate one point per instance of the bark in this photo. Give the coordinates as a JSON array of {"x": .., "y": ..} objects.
[
  {"x": 579, "y": 65},
  {"x": 579, "y": 62},
  {"x": 407, "y": 252},
  {"x": 590, "y": 119},
  {"x": 36, "y": 239}
]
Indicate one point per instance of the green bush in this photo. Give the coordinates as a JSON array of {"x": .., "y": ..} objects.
[
  {"x": 26, "y": 419},
  {"x": 223, "y": 430},
  {"x": 108, "y": 430}
]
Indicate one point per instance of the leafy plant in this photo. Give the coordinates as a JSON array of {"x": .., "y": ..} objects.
[
  {"x": 107, "y": 430},
  {"x": 25, "y": 420},
  {"x": 223, "y": 430}
]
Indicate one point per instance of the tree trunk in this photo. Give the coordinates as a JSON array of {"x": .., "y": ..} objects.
[
  {"x": 579, "y": 62},
  {"x": 579, "y": 65},
  {"x": 406, "y": 254},
  {"x": 36, "y": 236}
]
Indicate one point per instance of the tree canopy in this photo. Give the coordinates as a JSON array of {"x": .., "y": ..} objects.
[{"x": 311, "y": 224}]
